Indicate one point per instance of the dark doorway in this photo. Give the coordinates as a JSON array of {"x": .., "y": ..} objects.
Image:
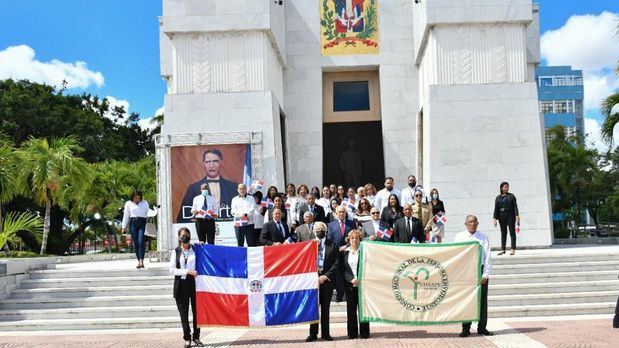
[
  {"x": 282, "y": 127},
  {"x": 340, "y": 162}
]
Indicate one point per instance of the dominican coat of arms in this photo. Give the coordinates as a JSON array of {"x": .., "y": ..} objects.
[{"x": 349, "y": 27}]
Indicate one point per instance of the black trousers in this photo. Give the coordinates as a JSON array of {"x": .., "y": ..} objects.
[
  {"x": 483, "y": 311},
  {"x": 243, "y": 233},
  {"x": 355, "y": 328},
  {"x": 186, "y": 293},
  {"x": 206, "y": 230},
  {"x": 325, "y": 292},
  {"x": 616, "y": 318},
  {"x": 505, "y": 221},
  {"x": 340, "y": 287},
  {"x": 257, "y": 232}
]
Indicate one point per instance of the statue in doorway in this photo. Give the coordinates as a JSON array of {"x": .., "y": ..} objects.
[{"x": 350, "y": 165}]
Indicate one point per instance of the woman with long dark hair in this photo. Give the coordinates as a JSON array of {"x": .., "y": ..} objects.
[
  {"x": 392, "y": 211},
  {"x": 437, "y": 207},
  {"x": 334, "y": 203},
  {"x": 134, "y": 218},
  {"x": 506, "y": 212},
  {"x": 183, "y": 268}
]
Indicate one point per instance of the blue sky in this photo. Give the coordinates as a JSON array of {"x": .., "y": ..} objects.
[{"x": 119, "y": 39}]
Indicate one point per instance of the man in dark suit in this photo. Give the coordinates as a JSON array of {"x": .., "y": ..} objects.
[
  {"x": 275, "y": 232},
  {"x": 338, "y": 231},
  {"x": 407, "y": 228},
  {"x": 328, "y": 266},
  {"x": 221, "y": 189},
  {"x": 369, "y": 228},
  {"x": 315, "y": 209}
]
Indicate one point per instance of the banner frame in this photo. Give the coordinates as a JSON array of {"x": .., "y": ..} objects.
[{"x": 365, "y": 319}]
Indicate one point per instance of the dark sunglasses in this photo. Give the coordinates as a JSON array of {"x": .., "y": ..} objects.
[{"x": 375, "y": 213}]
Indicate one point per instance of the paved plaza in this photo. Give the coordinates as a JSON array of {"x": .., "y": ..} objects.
[{"x": 584, "y": 331}]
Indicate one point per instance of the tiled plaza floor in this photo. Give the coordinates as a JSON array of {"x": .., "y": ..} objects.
[{"x": 568, "y": 332}]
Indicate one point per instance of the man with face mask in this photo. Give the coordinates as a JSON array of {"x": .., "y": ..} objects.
[
  {"x": 382, "y": 197},
  {"x": 201, "y": 208},
  {"x": 328, "y": 266},
  {"x": 408, "y": 193}
]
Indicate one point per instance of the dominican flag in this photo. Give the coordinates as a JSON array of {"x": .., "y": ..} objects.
[
  {"x": 256, "y": 185},
  {"x": 384, "y": 233},
  {"x": 257, "y": 286},
  {"x": 241, "y": 221},
  {"x": 247, "y": 167},
  {"x": 440, "y": 219},
  {"x": 349, "y": 206},
  {"x": 267, "y": 203},
  {"x": 517, "y": 227}
]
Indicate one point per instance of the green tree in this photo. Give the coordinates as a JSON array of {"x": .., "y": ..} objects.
[
  {"x": 15, "y": 222},
  {"x": 50, "y": 169}
]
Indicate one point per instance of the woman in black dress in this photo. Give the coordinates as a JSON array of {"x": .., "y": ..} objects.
[
  {"x": 392, "y": 211},
  {"x": 438, "y": 230},
  {"x": 506, "y": 212}
]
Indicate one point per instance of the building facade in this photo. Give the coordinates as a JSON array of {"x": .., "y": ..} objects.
[
  {"x": 561, "y": 93},
  {"x": 351, "y": 91}
]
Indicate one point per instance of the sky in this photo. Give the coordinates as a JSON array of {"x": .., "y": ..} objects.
[{"x": 111, "y": 48}]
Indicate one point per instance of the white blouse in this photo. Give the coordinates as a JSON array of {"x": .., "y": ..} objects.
[
  {"x": 353, "y": 261},
  {"x": 134, "y": 210},
  {"x": 187, "y": 261}
]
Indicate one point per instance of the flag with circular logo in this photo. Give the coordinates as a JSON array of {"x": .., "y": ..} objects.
[{"x": 419, "y": 284}]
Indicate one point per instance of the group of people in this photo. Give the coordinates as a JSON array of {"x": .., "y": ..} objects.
[{"x": 338, "y": 220}]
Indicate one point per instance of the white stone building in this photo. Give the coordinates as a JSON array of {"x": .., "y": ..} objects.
[{"x": 451, "y": 98}]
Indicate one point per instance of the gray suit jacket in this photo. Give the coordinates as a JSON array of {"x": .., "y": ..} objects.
[
  {"x": 304, "y": 234},
  {"x": 368, "y": 228}
]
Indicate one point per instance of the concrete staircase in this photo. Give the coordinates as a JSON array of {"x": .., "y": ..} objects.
[{"x": 88, "y": 299}]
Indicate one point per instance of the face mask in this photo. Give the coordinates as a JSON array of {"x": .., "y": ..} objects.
[
  {"x": 204, "y": 192},
  {"x": 184, "y": 238},
  {"x": 320, "y": 234},
  {"x": 412, "y": 184},
  {"x": 435, "y": 196}
]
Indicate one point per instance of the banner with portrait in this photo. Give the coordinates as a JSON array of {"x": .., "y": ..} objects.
[
  {"x": 222, "y": 168},
  {"x": 349, "y": 27},
  {"x": 419, "y": 284}
]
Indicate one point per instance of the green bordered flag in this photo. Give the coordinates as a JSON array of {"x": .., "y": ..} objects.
[{"x": 419, "y": 284}]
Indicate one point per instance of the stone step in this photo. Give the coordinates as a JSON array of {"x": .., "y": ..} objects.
[
  {"x": 60, "y": 273},
  {"x": 90, "y": 312},
  {"x": 96, "y": 281},
  {"x": 83, "y": 302},
  {"x": 556, "y": 267},
  {"x": 552, "y": 288},
  {"x": 83, "y": 292},
  {"x": 553, "y": 277},
  {"x": 538, "y": 259},
  {"x": 552, "y": 310},
  {"x": 554, "y": 298}
]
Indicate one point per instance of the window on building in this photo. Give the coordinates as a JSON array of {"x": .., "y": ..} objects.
[
  {"x": 560, "y": 106},
  {"x": 560, "y": 81},
  {"x": 577, "y": 80},
  {"x": 545, "y": 81},
  {"x": 546, "y": 107},
  {"x": 351, "y": 96}
]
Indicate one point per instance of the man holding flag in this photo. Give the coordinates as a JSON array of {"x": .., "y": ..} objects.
[
  {"x": 242, "y": 208},
  {"x": 204, "y": 210},
  {"x": 371, "y": 228}
]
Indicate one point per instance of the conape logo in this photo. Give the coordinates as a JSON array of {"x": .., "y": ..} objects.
[{"x": 420, "y": 284}]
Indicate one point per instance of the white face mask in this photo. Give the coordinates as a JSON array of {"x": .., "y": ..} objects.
[
  {"x": 204, "y": 192},
  {"x": 435, "y": 196}
]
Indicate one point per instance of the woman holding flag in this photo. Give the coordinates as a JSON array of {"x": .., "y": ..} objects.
[
  {"x": 438, "y": 210},
  {"x": 349, "y": 265}
]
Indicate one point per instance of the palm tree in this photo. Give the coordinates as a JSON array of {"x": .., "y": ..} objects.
[
  {"x": 50, "y": 169},
  {"x": 610, "y": 118},
  {"x": 15, "y": 222}
]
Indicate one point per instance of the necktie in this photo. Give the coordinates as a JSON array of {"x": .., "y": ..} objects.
[
  {"x": 312, "y": 209},
  {"x": 205, "y": 205},
  {"x": 281, "y": 229},
  {"x": 321, "y": 260},
  {"x": 342, "y": 229},
  {"x": 408, "y": 223}
]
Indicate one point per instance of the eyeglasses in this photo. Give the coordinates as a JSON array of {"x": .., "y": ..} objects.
[
  {"x": 417, "y": 195},
  {"x": 321, "y": 231},
  {"x": 375, "y": 213}
]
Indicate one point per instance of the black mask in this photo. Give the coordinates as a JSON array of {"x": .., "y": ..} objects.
[
  {"x": 184, "y": 238},
  {"x": 412, "y": 184},
  {"x": 321, "y": 234}
]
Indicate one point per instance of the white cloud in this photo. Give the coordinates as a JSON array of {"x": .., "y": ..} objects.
[
  {"x": 113, "y": 102},
  {"x": 590, "y": 43},
  {"x": 18, "y": 62},
  {"x": 586, "y": 42},
  {"x": 593, "y": 135},
  {"x": 149, "y": 123}
]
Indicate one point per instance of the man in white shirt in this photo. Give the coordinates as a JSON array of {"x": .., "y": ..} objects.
[
  {"x": 408, "y": 193},
  {"x": 204, "y": 210},
  {"x": 382, "y": 197},
  {"x": 242, "y": 208},
  {"x": 471, "y": 234}
]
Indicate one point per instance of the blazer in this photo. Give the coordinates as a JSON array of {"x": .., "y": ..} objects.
[
  {"x": 331, "y": 263},
  {"x": 426, "y": 218},
  {"x": 346, "y": 271},
  {"x": 512, "y": 206},
  {"x": 334, "y": 233},
  {"x": 319, "y": 213},
  {"x": 303, "y": 233},
  {"x": 271, "y": 234},
  {"x": 227, "y": 192},
  {"x": 367, "y": 229},
  {"x": 401, "y": 234}
]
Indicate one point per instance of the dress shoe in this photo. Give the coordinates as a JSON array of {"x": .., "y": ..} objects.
[
  {"x": 512, "y": 252},
  {"x": 352, "y": 337},
  {"x": 197, "y": 342},
  {"x": 502, "y": 252},
  {"x": 485, "y": 332},
  {"x": 327, "y": 338},
  {"x": 465, "y": 333},
  {"x": 311, "y": 338},
  {"x": 187, "y": 344}
]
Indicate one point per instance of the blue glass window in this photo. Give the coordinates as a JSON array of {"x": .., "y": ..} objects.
[{"x": 351, "y": 96}]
